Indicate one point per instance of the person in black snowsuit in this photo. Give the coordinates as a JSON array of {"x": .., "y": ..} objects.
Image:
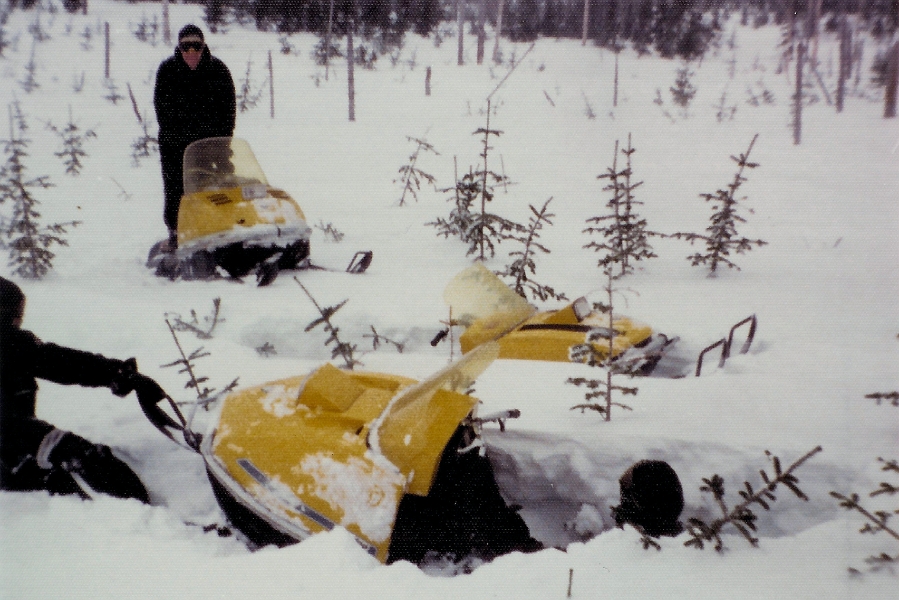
[
  {"x": 35, "y": 455},
  {"x": 194, "y": 99}
]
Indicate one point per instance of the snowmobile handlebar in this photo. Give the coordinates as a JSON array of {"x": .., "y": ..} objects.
[{"x": 166, "y": 424}]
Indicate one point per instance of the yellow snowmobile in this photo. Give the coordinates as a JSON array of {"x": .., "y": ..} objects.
[
  {"x": 230, "y": 218},
  {"x": 383, "y": 456},
  {"x": 580, "y": 332}
]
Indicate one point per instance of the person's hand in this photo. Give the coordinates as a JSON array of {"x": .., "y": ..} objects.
[{"x": 148, "y": 391}]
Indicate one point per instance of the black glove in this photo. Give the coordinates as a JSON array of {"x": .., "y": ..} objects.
[
  {"x": 148, "y": 391},
  {"x": 122, "y": 383}
]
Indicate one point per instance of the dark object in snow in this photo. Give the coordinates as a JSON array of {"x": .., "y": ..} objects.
[
  {"x": 651, "y": 498},
  {"x": 36, "y": 455},
  {"x": 464, "y": 514}
]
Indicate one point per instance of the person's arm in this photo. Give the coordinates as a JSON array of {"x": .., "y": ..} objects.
[{"x": 69, "y": 366}]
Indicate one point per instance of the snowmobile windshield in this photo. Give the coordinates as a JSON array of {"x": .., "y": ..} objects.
[{"x": 220, "y": 163}]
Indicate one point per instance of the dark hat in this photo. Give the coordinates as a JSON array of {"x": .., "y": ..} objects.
[
  {"x": 651, "y": 497},
  {"x": 12, "y": 301},
  {"x": 190, "y": 31}
]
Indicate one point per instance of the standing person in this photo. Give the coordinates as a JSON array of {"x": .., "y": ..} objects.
[
  {"x": 35, "y": 455},
  {"x": 194, "y": 99}
]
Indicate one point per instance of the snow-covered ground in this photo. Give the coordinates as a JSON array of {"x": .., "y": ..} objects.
[{"x": 824, "y": 291}]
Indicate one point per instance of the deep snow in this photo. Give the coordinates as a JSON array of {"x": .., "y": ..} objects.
[{"x": 824, "y": 290}]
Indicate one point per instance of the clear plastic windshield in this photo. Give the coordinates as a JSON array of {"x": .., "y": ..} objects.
[{"x": 220, "y": 163}]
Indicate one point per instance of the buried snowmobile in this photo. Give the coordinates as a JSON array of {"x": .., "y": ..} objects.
[
  {"x": 394, "y": 461},
  {"x": 489, "y": 310},
  {"x": 230, "y": 218}
]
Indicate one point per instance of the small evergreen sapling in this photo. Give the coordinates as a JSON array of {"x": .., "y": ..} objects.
[
  {"x": 344, "y": 350},
  {"x": 205, "y": 395},
  {"x": 523, "y": 266},
  {"x": 600, "y": 391},
  {"x": 73, "y": 139},
  {"x": 247, "y": 98},
  {"x": 481, "y": 230},
  {"x": 145, "y": 145},
  {"x": 202, "y": 330},
  {"x": 741, "y": 516},
  {"x": 683, "y": 91},
  {"x": 29, "y": 242},
  {"x": 411, "y": 175},
  {"x": 624, "y": 237},
  {"x": 722, "y": 238}
]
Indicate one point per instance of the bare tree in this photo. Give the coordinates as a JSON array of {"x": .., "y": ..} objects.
[
  {"x": 586, "y": 25},
  {"x": 499, "y": 30},
  {"x": 892, "y": 79},
  {"x": 460, "y": 25}
]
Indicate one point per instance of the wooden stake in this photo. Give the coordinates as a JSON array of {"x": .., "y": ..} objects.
[
  {"x": 106, "y": 33},
  {"x": 428, "y": 82},
  {"x": 271, "y": 85}
]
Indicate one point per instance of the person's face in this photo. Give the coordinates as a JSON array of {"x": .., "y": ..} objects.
[{"x": 191, "y": 49}]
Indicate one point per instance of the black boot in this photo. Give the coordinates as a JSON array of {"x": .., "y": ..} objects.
[{"x": 98, "y": 468}]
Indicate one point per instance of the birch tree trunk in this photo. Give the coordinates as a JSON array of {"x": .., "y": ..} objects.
[
  {"x": 586, "y": 25},
  {"x": 350, "y": 59},
  {"x": 889, "y": 105},
  {"x": 166, "y": 24},
  {"x": 460, "y": 5},
  {"x": 797, "y": 98},
  {"x": 499, "y": 31},
  {"x": 845, "y": 61},
  {"x": 482, "y": 32},
  {"x": 328, "y": 38}
]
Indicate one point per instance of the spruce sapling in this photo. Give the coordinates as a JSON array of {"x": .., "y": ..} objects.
[
  {"x": 410, "y": 175},
  {"x": 112, "y": 92},
  {"x": 625, "y": 239},
  {"x": 722, "y": 238},
  {"x": 683, "y": 91},
  {"x": 892, "y": 397},
  {"x": 203, "y": 332},
  {"x": 246, "y": 97},
  {"x": 205, "y": 395},
  {"x": 488, "y": 229},
  {"x": 29, "y": 83},
  {"x": 876, "y": 520},
  {"x": 523, "y": 266},
  {"x": 73, "y": 139},
  {"x": 145, "y": 145},
  {"x": 377, "y": 340},
  {"x": 481, "y": 230},
  {"x": 741, "y": 516},
  {"x": 600, "y": 391},
  {"x": 344, "y": 350},
  {"x": 30, "y": 242}
]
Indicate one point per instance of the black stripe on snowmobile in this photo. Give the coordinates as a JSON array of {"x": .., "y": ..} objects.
[
  {"x": 301, "y": 508},
  {"x": 556, "y": 327}
]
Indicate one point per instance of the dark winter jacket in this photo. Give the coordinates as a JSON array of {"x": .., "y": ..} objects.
[
  {"x": 193, "y": 104},
  {"x": 23, "y": 359}
]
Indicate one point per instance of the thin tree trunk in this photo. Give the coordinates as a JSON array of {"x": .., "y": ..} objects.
[
  {"x": 845, "y": 61},
  {"x": 797, "y": 99},
  {"x": 351, "y": 84},
  {"x": 499, "y": 31},
  {"x": 271, "y": 85},
  {"x": 460, "y": 6},
  {"x": 428, "y": 82},
  {"x": 615, "y": 94},
  {"x": 328, "y": 38},
  {"x": 106, "y": 35},
  {"x": 586, "y": 24},
  {"x": 166, "y": 24},
  {"x": 482, "y": 30},
  {"x": 889, "y": 107}
]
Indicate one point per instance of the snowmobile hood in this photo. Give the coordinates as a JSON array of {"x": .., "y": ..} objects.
[{"x": 334, "y": 447}]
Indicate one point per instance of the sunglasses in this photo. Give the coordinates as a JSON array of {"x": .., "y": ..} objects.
[{"x": 185, "y": 46}]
